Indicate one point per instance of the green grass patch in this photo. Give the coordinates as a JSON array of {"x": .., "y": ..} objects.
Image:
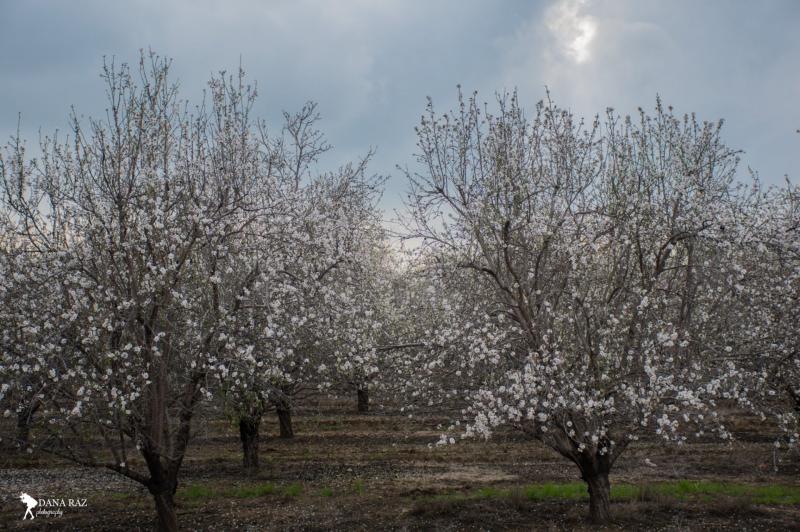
[
  {"x": 567, "y": 491},
  {"x": 772, "y": 494},
  {"x": 492, "y": 493},
  {"x": 326, "y": 492},
  {"x": 293, "y": 490},
  {"x": 196, "y": 492},
  {"x": 758, "y": 494},
  {"x": 776, "y": 495},
  {"x": 681, "y": 490},
  {"x": 251, "y": 492},
  {"x": 201, "y": 492},
  {"x": 626, "y": 492},
  {"x": 358, "y": 487}
]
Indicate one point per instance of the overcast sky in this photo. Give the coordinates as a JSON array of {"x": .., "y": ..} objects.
[{"x": 370, "y": 64}]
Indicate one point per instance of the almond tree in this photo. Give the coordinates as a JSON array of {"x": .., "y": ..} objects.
[
  {"x": 245, "y": 378},
  {"x": 764, "y": 291},
  {"x": 343, "y": 285},
  {"x": 444, "y": 314},
  {"x": 757, "y": 285},
  {"x": 293, "y": 317},
  {"x": 29, "y": 306},
  {"x": 146, "y": 219},
  {"x": 781, "y": 354},
  {"x": 596, "y": 243},
  {"x": 365, "y": 321}
]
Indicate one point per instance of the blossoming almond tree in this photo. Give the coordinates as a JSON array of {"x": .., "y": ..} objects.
[
  {"x": 153, "y": 211},
  {"x": 445, "y": 315},
  {"x": 29, "y": 308},
  {"x": 763, "y": 290},
  {"x": 589, "y": 238},
  {"x": 349, "y": 281},
  {"x": 366, "y": 322},
  {"x": 756, "y": 284},
  {"x": 780, "y": 270},
  {"x": 245, "y": 379},
  {"x": 293, "y": 315}
]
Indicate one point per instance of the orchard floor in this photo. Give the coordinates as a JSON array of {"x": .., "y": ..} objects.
[{"x": 344, "y": 471}]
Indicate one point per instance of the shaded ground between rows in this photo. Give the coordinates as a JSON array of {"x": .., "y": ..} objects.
[{"x": 366, "y": 472}]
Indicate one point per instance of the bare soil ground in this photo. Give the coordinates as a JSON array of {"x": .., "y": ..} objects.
[{"x": 345, "y": 471}]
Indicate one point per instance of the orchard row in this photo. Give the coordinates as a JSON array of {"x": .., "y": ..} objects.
[{"x": 587, "y": 284}]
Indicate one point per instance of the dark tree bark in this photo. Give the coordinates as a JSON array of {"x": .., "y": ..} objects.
[
  {"x": 594, "y": 470},
  {"x": 163, "y": 454},
  {"x": 794, "y": 393},
  {"x": 285, "y": 421},
  {"x": 594, "y": 467},
  {"x": 363, "y": 400},
  {"x": 249, "y": 434},
  {"x": 24, "y": 419},
  {"x": 599, "y": 498},
  {"x": 162, "y": 485},
  {"x": 23, "y": 430},
  {"x": 165, "y": 508}
]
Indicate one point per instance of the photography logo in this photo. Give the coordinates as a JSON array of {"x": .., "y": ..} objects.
[
  {"x": 48, "y": 507},
  {"x": 30, "y": 502}
]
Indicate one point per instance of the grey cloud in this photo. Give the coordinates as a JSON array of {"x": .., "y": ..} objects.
[{"x": 371, "y": 64}]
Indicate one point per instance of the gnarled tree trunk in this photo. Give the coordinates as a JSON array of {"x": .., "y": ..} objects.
[
  {"x": 162, "y": 486},
  {"x": 599, "y": 498},
  {"x": 164, "y": 455},
  {"x": 363, "y": 400},
  {"x": 24, "y": 420},
  {"x": 248, "y": 433},
  {"x": 23, "y": 430},
  {"x": 164, "y": 498},
  {"x": 285, "y": 421},
  {"x": 594, "y": 470}
]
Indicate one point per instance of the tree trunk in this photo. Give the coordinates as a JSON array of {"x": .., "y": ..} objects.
[
  {"x": 248, "y": 432},
  {"x": 23, "y": 429},
  {"x": 794, "y": 393},
  {"x": 599, "y": 498},
  {"x": 24, "y": 419},
  {"x": 165, "y": 508},
  {"x": 363, "y": 400},
  {"x": 595, "y": 465},
  {"x": 285, "y": 421}
]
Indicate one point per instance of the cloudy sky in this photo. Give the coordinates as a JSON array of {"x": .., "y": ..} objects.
[{"x": 370, "y": 64}]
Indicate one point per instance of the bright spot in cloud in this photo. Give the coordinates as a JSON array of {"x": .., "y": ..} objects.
[{"x": 573, "y": 30}]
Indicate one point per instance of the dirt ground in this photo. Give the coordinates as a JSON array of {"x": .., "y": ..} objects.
[{"x": 345, "y": 471}]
